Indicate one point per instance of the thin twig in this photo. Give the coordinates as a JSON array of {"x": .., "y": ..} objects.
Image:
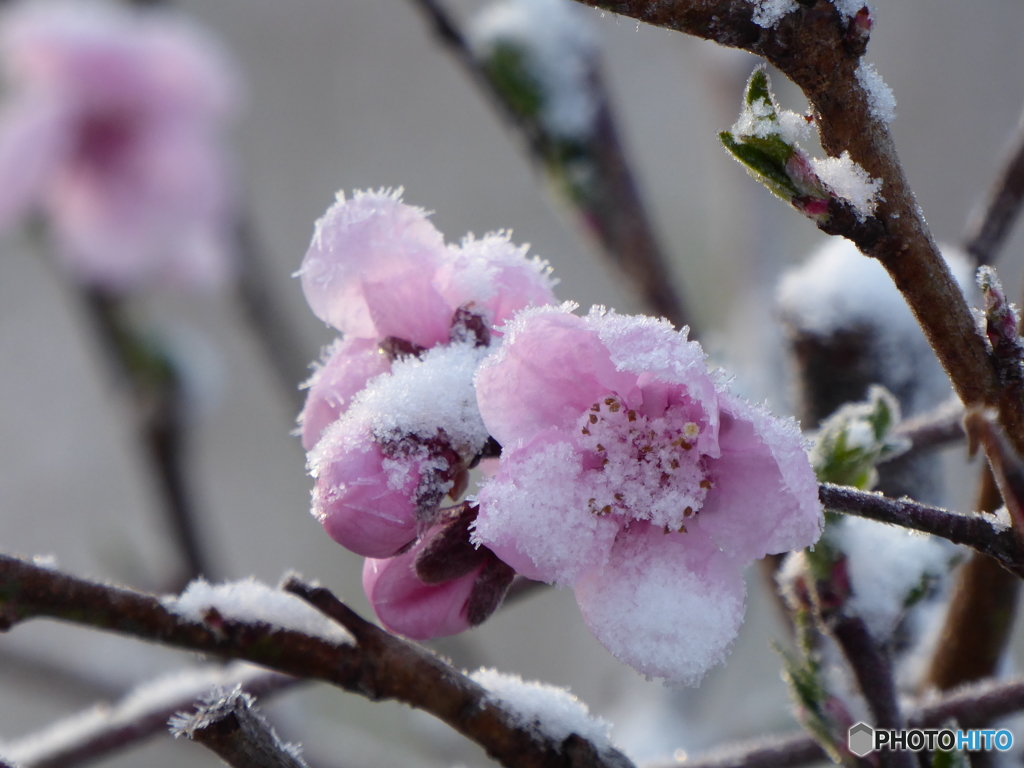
[
  {"x": 820, "y": 52},
  {"x": 378, "y": 666},
  {"x": 105, "y": 729},
  {"x": 991, "y": 222},
  {"x": 978, "y": 531},
  {"x": 614, "y": 211},
  {"x": 872, "y": 669},
  {"x": 265, "y": 314},
  {"x": 155, "y": 387},
  {"x": 934, "y": 429},
  {"x": 229, "y": 725}
]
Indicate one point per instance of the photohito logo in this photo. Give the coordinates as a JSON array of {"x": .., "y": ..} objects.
[{"x": 863, "y": 739}]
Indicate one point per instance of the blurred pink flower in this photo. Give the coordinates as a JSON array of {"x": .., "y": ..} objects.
[
  {"x": 113, "y": 128},
  {"x": 629, "y": 473}
]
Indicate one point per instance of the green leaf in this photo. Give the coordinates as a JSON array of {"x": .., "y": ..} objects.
[{"x": 761, "y": 160}]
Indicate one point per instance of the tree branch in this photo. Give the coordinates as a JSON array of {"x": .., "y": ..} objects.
[
  {"x": 934, "y": 429},
  {"x": 378, "y": 666},
  {"x": 105, "y": 729},
  {"x": 613, "y": 211},
  {"x": 991, "y": 222},
  {"x": 820, "y": 52},
  {"x": 978, "y": 531},
  {"x": 228, "y": 724}
]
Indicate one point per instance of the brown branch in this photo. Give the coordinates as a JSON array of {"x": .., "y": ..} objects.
[
  {"x": 991, "y": 222},
  {"x": 613, "y": 209},
  {"x": 378, "y": 665},
  {"x": 820, "y": 52},
  {"x": 872, "y": 669},
  {"x": 106, "y": 729},
  {"x": 976, "y": 531},
  {"x": 229, "y": 725},
  {"x": 934, "y": 429},
  {"x": 155, "y": 387},
  {"x": 973, "y": 706}
]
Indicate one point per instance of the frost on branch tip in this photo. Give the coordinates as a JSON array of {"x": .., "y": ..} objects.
[
  {"x": 765, "y": 140},
  {"x": 999, "y": 323}
]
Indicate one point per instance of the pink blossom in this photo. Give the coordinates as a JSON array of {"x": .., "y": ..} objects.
[
  {"x": 631, "y": 474},
  {"x": 410, "y": 607},
  {"x": 347, "y": 366},
  {"x": 113, "y": 128},
  {"x": 369, "y": 270}
]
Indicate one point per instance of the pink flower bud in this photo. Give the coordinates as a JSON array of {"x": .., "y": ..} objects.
[
  {"x": 369, "y": 270},
  {"x": 406, "y": 605},
  {"x": 346, "y": 367}
]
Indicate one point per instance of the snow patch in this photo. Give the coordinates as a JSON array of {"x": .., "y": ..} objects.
[
  {"x": 768, "y": 13},
  {"x": 881, "y": 100},
  {"x": 846, "y": 179}
]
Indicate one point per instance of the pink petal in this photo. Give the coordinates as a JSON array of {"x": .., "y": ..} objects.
[
  {"x": 534, "y": 513},
  {"x": 406, "y": 605},
  {"x": 361, "y": 504},
  {"x": 496, "y": 277},
  {"x": 33, "y": 142},
  {"x": 668, "y": 605},
  {"x": 370, "y": 268},
  {"x": 765, "y": 495},
  {"x": 550, "y": 369},
  {"x": 347, "y": 366}
]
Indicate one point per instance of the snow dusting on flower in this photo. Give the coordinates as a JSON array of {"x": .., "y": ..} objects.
[
  {"x": 630, "y": 474},
  {"x": 249, "y": 600},
  {"x": 846, "y": 179},
  {"x": 113, "y": 126},
  {"x": 544, "y": 709},
  {"x": 768, "y": 13},
  {"x": 556, "y": 49},
  {"x": 881, "y": 100}
]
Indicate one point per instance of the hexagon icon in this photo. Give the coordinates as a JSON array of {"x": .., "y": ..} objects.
[{"x": 861, "y": 739}]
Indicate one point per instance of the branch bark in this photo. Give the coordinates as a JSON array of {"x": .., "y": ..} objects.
[
  {"x": 229, "y": 725},
  {"x": 977, "y": 531},
  {"x": 614, "y": 212},
  {"x": 378, "y": 666},
  {"x": 820, "y": 52}
]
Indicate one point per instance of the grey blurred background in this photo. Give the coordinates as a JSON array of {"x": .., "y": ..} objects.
[{"x": 352, "y": 94}]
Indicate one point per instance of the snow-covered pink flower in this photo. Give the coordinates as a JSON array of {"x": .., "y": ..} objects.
[
  {"x": 113, "y": 127},
  {"x": 630, "y": 473}
]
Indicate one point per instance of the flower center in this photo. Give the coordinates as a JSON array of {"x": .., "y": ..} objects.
[{"x": 641, "y": 468}]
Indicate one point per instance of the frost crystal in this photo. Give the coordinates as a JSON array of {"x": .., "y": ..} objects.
[
  {"x": 846, "y": 179},
  {"x": 544, "y": 46},
  {"x": 549, "y": 711},
  {"x": 768, "y": 13},
  {"x": 881, "y": 100}
]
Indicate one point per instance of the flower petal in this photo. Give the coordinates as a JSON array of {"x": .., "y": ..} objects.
[
  {"x": 765, "y": 497},
  {"x": 668, "y": 605}
]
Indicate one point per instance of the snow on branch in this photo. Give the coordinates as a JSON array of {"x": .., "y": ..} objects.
[{"x": 376, "y": 665}]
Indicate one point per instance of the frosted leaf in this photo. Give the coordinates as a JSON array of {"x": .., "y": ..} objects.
[
  {"x": 768, "y": 13},
  {"x": 557, "y": 49},
  {"x": 848, "y": 8},
  {"x": 249, "y": 600},
  {"x": 544, "y": 709},
  {"x": 846, "y": 179},
  {"x": 881, "y": 100}
]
